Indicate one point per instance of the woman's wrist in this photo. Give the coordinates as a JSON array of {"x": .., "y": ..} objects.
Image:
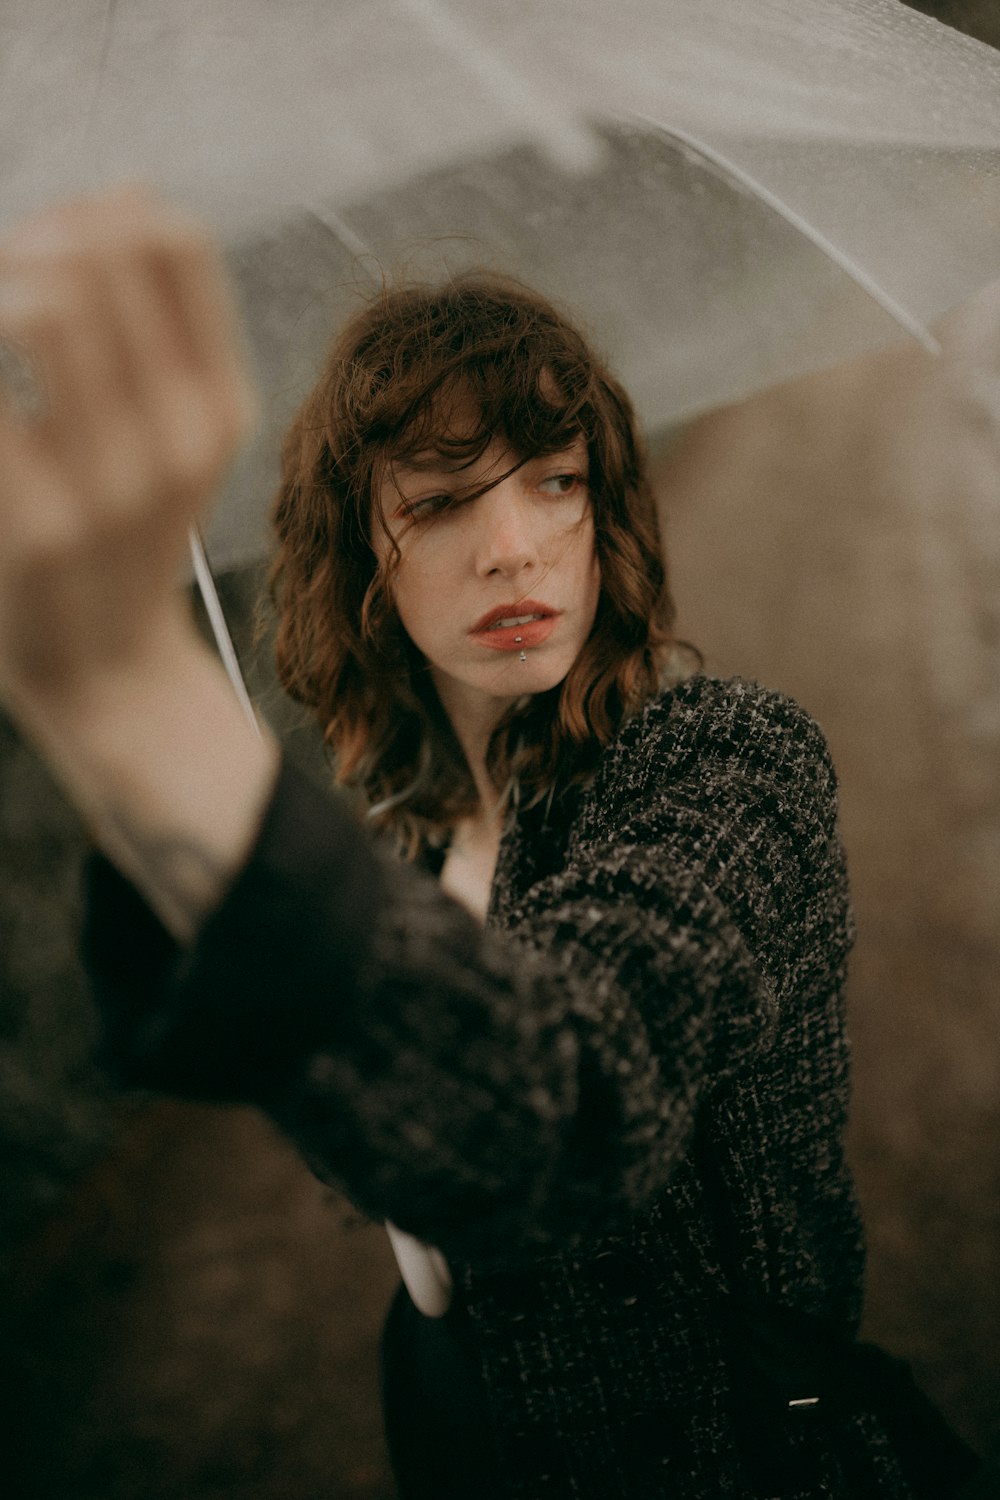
[{"x": 164, "y": 768}]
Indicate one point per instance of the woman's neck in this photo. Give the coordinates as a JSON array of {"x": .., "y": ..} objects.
[{"x": 474, "y": 717}]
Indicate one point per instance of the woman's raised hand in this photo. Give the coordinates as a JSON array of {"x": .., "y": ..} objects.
[{"x": 121, "y": 311}]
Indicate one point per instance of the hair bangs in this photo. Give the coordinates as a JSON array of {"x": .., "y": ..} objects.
[{"x": 515, "y": 395}]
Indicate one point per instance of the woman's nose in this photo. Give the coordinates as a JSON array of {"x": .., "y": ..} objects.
[{"x": 504, "y": 532}]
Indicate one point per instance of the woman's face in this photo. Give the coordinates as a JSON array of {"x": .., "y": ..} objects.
[{"x": 499, "y": 592}]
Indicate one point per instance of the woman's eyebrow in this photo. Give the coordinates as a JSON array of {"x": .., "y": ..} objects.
[
  {"x": 576, "y": 452},
  {"x": 431, "y": 463},
  {"x": 418, "y": 465}
]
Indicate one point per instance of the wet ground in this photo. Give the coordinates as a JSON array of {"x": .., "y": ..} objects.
[{"x": 194, "y": 1318}]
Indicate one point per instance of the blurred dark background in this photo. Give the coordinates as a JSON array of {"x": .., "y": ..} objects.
[{"x": 978, "y": 18}]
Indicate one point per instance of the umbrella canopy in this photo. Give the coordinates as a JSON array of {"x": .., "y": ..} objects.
[{"x": 726, "y": 195}]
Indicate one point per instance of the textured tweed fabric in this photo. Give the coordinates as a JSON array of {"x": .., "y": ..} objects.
[{"x": 659, "y": 988}]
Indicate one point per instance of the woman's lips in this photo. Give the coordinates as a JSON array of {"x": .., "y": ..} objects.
[{"x": 516, "y": 637}]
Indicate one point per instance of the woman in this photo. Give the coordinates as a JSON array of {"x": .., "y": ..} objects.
[{"x": 616, "y": 1111}]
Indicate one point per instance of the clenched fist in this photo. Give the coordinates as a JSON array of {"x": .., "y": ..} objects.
[{"x": 120, "y": 309}]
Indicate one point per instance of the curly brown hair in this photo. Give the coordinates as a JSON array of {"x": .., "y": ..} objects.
[{"x": 393, "y": 376}]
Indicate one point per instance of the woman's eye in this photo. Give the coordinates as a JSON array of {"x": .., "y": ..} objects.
[
  {"x": 561, "y": 484},
  {"x": 428, "y": 505}
]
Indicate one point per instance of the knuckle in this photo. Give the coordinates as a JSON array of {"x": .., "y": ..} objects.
[
  {"x": 207, "y": 432},
  {"x": 50, "y": 306},
  {"x": 192, "y": 453},
  {"x": 178, "y": 449},
  {"x": 81, "y": 233},
  {"x": 189, "y": 468},
  {"x": 121, "y": 480},
  {"x": 180, "y": 243},
  {"x": 189, "y": 242}
]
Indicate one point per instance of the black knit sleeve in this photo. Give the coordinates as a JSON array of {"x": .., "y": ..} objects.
[{"x": 524, "y": 1086}]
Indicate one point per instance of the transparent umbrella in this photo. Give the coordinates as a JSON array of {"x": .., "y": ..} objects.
[{"x": 726, "y": 195}]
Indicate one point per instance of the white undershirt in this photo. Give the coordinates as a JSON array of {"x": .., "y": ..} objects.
[{"x": 424, "y": 1271}]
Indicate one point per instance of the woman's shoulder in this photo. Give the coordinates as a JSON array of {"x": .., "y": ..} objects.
[
  {"x": 716, "y": 729},
  {"x": 731, "y": 711},
  {"x": 715, "y": 702}
]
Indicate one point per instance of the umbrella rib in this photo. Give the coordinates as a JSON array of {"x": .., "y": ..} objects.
[
  {"x": 217, "y": 620},
  {"x": 858, "y": 274},
  {"x": 342, "y": 233}
]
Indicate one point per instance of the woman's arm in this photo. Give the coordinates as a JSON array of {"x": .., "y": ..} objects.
[
  {"x": 120, "y": 309},
  {"x": 524, "y": 1086}
]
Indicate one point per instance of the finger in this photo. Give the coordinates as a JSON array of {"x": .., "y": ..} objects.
[
  {"x": 126, "y": 310},
  {"x": 186, "y": 270},
  {"x": 176, "y": 323},
  {"x": 43, "y": 317},
  {"x": 187, "y": 366},
  {"x": 27, "y": 475},
  {"x": 130, "y": 227},
  {"x": 54, "y": 309}
]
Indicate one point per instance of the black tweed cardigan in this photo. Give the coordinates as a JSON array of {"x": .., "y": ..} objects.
[{"x": 616, "y": 1106}]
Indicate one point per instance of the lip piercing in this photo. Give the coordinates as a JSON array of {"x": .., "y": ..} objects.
[
  {"x": 523, "y": 656},
  {"x": 518, "y": 639}
]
